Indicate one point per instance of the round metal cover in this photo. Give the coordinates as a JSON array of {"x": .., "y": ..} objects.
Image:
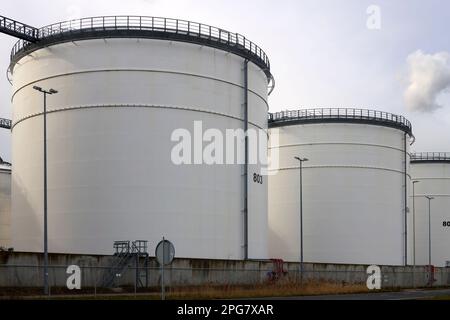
[{"x": 169, "y": 252}]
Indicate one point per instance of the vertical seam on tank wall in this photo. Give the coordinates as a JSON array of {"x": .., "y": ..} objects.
[
  {"x": 340, "y": 166},
  {"x": 334, "y": 143},
  {"x": 246, "y": 166},
  {"x": 138, "y": 70},
  {"x": 405, "y": 196},
  {"x": 132, "y": 106}
]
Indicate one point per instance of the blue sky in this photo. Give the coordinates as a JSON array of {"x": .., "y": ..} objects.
[{"x": 321, "y": 51}]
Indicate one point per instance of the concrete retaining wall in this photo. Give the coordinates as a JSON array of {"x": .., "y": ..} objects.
[{"x": 19, "y": 269}]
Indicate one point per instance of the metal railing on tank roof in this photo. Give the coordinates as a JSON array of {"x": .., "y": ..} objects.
[
  {"x": 323, "y": 114},
  {"x": 171, "y": 28},
  {"x": 430, "y": 156}
]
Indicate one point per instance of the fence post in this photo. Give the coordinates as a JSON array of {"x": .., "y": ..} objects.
[{"x": 95, "y": 282}]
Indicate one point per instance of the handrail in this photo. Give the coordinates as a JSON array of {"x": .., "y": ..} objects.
[
  {"x": 5, "y": 123},
  {"x": 337, "y": 114},
  {"x": 430, "y": 156},
  {"x": 18, "y": 29},
  {"x": 159, "y": 25}
]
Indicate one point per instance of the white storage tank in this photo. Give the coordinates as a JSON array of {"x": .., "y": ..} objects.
[
  {"x": 432, "y": 171},
  {"x": 5, "y": 204},
  {"x": 125, "y": 84},
  {"x": 354, "y": 186}
]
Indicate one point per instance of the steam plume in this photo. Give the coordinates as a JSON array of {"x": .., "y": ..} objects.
[{"x": 428, "y": 76}]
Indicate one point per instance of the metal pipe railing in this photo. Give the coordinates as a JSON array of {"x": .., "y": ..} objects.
[
  {"x": 18, "y": 29},
  {"x": 338, "y": 113},
  {"x": 154, "y": 24},
  {"x": 430, "y": 156},
  {"x": 5, "y": 123}
]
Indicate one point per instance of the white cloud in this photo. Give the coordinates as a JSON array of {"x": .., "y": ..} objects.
[{"x": 428, "y": 77}]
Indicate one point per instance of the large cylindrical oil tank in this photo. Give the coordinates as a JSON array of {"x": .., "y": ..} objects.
[
  {"x": 129, "y": 89},
  {"x": 430, "y": 221},
  {"x": 354, "y": 186},
  {"x": 5, "y": 204}
]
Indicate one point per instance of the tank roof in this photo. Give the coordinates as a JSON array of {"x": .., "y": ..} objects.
[
  {"x": 339, "y": 115},
  {"x": 430, "y": 157},
  {"x": 144, "y": 27}
]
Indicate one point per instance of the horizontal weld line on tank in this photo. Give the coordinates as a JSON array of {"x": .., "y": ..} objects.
[
  {"x": 138, "y": 70},
  {"x": 344, "y": 167},
  {"x": 132, "y": 106},
  {"x": 441, "y": 178},
  {"x": 335, "y": 143},
  {"x": 350, "y": 120},
  {"x": 430, "y": 195}
]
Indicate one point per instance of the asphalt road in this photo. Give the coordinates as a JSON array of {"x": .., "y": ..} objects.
[{"x": 402, "y": 295}]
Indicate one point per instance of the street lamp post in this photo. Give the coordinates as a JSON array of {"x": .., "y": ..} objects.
[
  {"x": 414, "y": 233},
  {"x": 429, "y": 238},
  {"x": 45, "y": 92},
  {"x": 301, "y": 160}
]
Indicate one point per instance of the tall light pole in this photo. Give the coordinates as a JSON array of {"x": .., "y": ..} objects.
[
  {"x": 301, "y": 160},
  {"x": 45, "y": 92},
  {"x": 414, "y": 232},
  {"x": 429, "y": 237}
]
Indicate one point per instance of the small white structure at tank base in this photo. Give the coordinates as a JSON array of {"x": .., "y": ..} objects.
[
  {"x": 125, "y": 85},
  {"x": 5, "y": 204},
  {"x": 432, "y": 171},
  {"x": 354, "y": 186}
]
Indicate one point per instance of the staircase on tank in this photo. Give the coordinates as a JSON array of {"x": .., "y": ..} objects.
[{"x": 125, "y": 253}]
